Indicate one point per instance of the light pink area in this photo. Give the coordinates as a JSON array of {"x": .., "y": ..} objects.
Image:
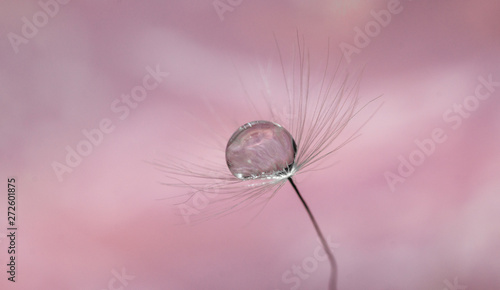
[{"x": 441, "y": 223}]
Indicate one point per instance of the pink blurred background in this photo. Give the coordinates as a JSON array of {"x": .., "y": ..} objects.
[{"x": 438, "y": 227}]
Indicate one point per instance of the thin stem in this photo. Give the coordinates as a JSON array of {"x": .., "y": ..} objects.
[{"x": 331, "y": 258}]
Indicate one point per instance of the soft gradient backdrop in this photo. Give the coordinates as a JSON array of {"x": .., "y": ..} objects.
[{"x": 439, "y": 229}]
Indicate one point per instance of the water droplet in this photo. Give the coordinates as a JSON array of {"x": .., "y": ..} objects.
[{"x": 260, "y": 149}]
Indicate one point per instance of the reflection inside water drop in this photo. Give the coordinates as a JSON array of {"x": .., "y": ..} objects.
[{"x": 260, "y": 149}]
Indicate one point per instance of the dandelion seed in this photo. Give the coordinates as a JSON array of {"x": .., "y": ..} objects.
[
  {"x": 261, "y": 156},
  {"x": 265, "y": 150}
]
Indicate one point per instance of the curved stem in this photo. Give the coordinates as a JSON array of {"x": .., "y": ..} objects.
[{"x": 331, "y": 258}]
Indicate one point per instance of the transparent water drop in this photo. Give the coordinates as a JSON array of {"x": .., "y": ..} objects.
[{"x": 261, "y": 149}]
